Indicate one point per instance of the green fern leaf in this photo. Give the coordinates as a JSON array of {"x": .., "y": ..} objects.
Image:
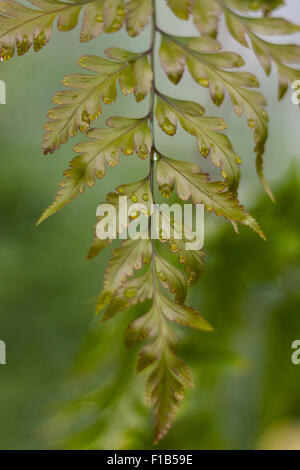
[
  {"x": 206, "y": 17},
  {"x": 207, "y": 69},
  {"x": 171, "y": 278},
  {"x": 193, "y": 260},
  {"x": 181, "y": 8},
  {"x": 192, "y": 183},
  {"x": 166, "y": 391},
  {"x": 181, "y": 314},
  {"x": 207, "y": 131},
  {"x": 131, "y": 256},
  {"x": 138, "y": 15},
  {"x": 266, "y": 52},
  {"x": 131, "y": 292},
  {"x": 172, "y": 59},
  {"x": 155, "y": 270},
  {"x": 97, "y": 246},
  {"x": 92, "y": 22},
  {"x": 125, "y": 134},
  {"x": 165, "y": 386},
  {"x": 21, "y": 26},
  {"x": 113, "y": 15},
  {"x": 249, "y": 5},
  {"x": 81, "y": 104}
]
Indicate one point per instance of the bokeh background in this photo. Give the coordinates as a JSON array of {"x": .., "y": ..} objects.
[{"x": 247, "y": 391}]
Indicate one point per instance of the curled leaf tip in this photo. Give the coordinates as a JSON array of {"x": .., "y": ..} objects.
[{"x": 262, "y": 178}]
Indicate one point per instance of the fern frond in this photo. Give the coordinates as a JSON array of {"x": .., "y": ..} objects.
[
  {"x": 283, "y": 55},
  {"x": 206, "y": 17},
  {"x": 206, "y": 13},
  {"x": 249, "y": 5},
  {"x": 205, "y": 129},
  {"x": 138, "y": 15},
  {"x": 165, "y": 386},
  {"x": 81, "y": 104},
  {"x": 155, "y": 271},
  {"x": 192, "y": 183},
  {"x": 122, "y": 134},
  {"x": 130, "y": 257},
  {"x": 209, "y": 70},
  {"x": 181, "y": 8}
]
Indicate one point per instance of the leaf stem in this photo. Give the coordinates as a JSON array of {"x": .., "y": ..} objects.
[
  {"x": 151, "y": 120},
  {"x": 152, "y": 96},
  {"x": 152, "y": 93}
]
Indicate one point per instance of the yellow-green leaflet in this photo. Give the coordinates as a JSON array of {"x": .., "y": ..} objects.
[
  {"x": 21, "y": 26},
  {"x": 81, "y": 103}
]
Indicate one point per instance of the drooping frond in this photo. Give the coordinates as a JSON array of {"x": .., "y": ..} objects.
[
  {"x": 155, "y": 271},
  {"x": 125, "y": 286}
]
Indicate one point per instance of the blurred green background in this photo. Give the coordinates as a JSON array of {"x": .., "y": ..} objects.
[{"x": 247, "y": 391}]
